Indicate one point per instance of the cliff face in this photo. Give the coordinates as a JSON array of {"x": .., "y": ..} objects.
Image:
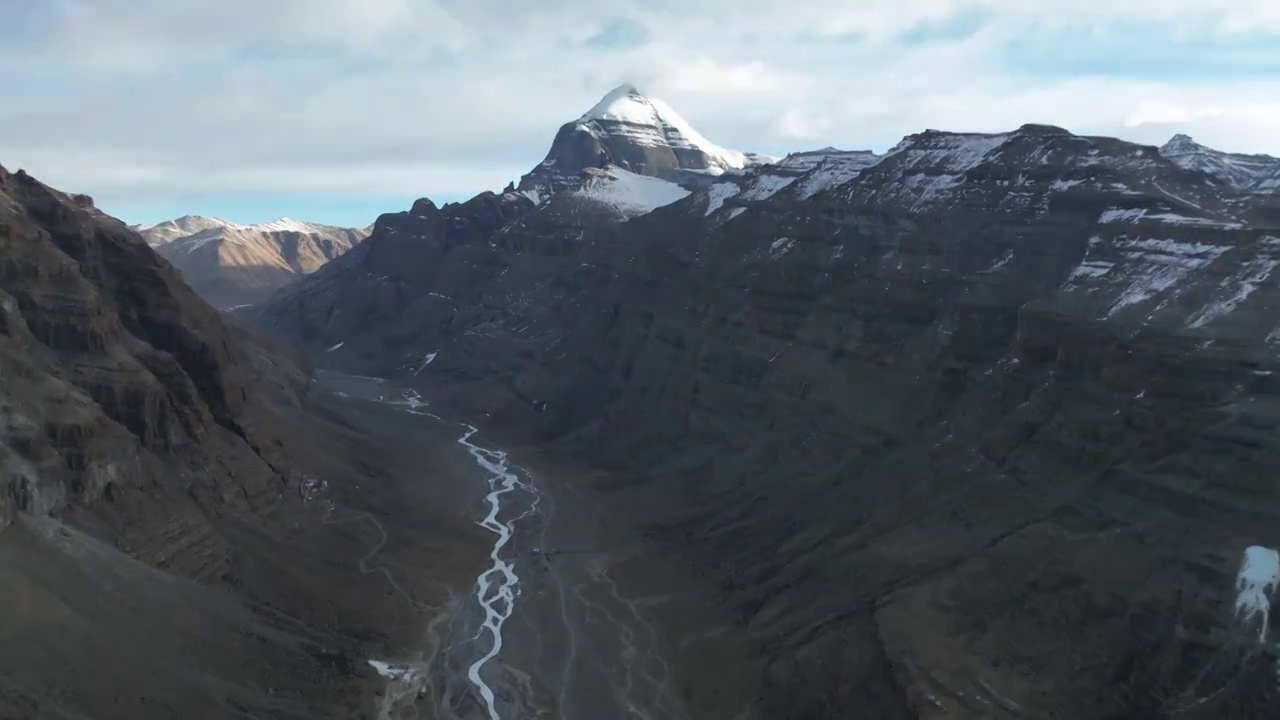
[
  {"x": 932, "y": 475},
  {"x": 183, "y": 531},
  {"x": 121, "y": 387}
]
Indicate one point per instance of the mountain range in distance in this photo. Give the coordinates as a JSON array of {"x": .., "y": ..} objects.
[
  {"x": 626, "y": 156},
  {"x": 232, "y": 265}
]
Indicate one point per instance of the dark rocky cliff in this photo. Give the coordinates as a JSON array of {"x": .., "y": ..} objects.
[
  {"x": 978, "y": 429},
  {"x": 183, "y": 530},
  {"x": 121, "y": 387}
]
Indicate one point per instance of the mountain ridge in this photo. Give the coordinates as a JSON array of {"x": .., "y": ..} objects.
[
  {"x": 167, "y": 482},
  {"x": 1249, "y": 172},
  {"x": 231, "y": 264},
  {"x": 169, "y": 230},
  {"x": 977, "y": 427}
]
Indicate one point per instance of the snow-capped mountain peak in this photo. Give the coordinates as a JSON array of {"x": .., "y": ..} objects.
[
  {"x": 625, "y": 104},
  {"x": 637, "y": 133},
  {"x": 1181, "y": 141}
]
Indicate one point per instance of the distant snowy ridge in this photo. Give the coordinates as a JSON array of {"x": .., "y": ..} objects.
[
  {"x": 1254, "y": 173},
  {"x": 192, "y": 224}
]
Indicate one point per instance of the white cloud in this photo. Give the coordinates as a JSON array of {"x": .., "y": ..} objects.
[
  {"x": 800, "y": 125},
  {"x": 113, "y": 97}
]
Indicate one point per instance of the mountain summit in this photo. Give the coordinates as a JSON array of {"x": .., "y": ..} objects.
[
  {"x": 1254, "y": 173},
  {"x": 170, "y": 230},
  {"x": 640, "y": 134}
]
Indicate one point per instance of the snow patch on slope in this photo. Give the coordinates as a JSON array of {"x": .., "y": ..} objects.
[
  {"x": 765, "y": 186},
  {"x": 1133, "y": 215},
  {"x": 630, "y": 194},
  {"x": 1256, "y": 584},
  {"x": 833, "y": 172},
  {"x": 926, "y": 167},
  {"x": 717, "y": 194},
  {"x": 1157, "y": 265},
  {"x": 388, "y": 670},
  {"x": 779, "y": 247},
  {"x": 1255, "y": 272}
]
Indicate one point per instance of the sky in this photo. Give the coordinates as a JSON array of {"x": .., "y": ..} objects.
[{"x": 338, "y": 110}]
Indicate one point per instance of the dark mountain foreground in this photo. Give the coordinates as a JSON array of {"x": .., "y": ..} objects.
[{"x": 186, "y": 531}]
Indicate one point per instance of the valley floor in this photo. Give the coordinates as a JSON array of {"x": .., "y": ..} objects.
[
  {"x": 598, "y": 626},
  {"x": 311, "y": 591},
  {"x": 380, "y": 565}
]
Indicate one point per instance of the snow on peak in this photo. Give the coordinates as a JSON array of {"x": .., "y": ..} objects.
[
  {"x": 615, "y": 104},
  {"x": 284, "y": 225},
  {"x": 1181, "y": 141},
  {"x": 624, "y": 104},
  {"x": 186, "y": 221},
  {"x": 164, "y": 232}
]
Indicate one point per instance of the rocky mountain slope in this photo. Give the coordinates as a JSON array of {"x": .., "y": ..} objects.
[
  {"x": 983, "y": 427},
  {"x": 230, "y": 264},
  {"x": 1248, "y": 173},
  {"x": 170, "y": 496}
]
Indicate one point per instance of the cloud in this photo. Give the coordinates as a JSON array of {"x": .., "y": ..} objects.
[
  {"x": 618, "y": 34},
  {"x": 121, "y": 98}
]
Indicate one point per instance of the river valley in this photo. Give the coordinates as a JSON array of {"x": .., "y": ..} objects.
[{"x": 575, "y": 616}]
